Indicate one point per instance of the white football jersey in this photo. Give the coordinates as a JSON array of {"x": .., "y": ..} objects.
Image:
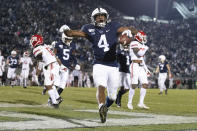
[
  {"x": 47, "y": 54},
  {"x": 136, "y": 44},
  {"x": 26, "y": 61},
  {"x": 40, "y": 65},
  {"x": 33, "y": 71},
  {"x": 1, "y": 60}
]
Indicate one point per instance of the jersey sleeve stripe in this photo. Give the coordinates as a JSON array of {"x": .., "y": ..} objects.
[
  {"x": 37, "y": 52},
  {"x": 135, "y": 45}
]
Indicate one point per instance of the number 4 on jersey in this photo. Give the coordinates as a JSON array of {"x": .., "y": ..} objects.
[{"x": 103, "y": 43}]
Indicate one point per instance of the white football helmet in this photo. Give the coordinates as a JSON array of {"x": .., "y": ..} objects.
[
  {"x": 77, "y": 67},
  {"x": 96, "y": 12},
  {"x": 66, "y": 40},
  {"x": 13, "y": 53},
  {"x": 63, "y": 28},
  {"x": 162, "y": 58}
]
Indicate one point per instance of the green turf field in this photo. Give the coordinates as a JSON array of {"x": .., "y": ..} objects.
[{"x": 178, "y": 102}]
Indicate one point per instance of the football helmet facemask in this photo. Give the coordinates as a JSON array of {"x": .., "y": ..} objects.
[
  {"x": 66, "y": 40},
  {"x": 141, "y": 37},
  {"x": 36, "y": 40},
  {"x": 95, "y": 13}
]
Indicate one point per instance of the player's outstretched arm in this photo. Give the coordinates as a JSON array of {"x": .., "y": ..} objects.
[
  {"x": 169, "y": 71},
  {"x": 7, "y": 62},
  {"x": 157, "y": 70},
  {"x": 75, "y": 33},
  {"x": 58, "y": 60}
]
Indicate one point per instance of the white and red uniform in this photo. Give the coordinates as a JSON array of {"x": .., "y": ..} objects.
[
  {"x": 138, "y": 67},
  {"x": 138, "y": 71},
  {"x": 2, "y": 65},
  {"x": 51, "y": 66},
  {"x": 26, "y": 62}
]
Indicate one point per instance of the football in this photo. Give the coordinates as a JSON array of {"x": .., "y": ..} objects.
[{"x": 124, "y": 39}]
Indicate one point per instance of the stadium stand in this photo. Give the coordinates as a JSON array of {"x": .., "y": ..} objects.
[{"x": 20, "y": 19}]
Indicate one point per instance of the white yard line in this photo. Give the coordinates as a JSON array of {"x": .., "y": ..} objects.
[
  {"x": 45, "y": 122},
  {"x": 19, "y": 105}
]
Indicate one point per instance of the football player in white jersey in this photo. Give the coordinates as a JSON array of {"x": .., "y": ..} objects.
[
  {"x": 2, "y": 67},
  {"x": 51, "y": 67},
  {"x": 163, "y": 69},
  {"x": 138, "y": 68},
  {"x": 26, "y": 61}
]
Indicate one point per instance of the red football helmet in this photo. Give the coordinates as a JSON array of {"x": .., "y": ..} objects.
[
  {"x": 141, "y": 37},
  {"x": 36, "y": 40},
  {"x": 26, "y": 53}
]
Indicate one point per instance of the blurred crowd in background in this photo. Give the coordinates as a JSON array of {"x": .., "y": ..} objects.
[{"x": 20, "y": 19}]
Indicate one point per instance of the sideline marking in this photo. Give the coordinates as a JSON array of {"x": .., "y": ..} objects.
[{"x": 45, "y": 122}]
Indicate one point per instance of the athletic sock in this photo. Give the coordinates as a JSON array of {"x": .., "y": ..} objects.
[
  {"x": 131, "y": 94},
  {"x": 60, "y": 90},
  {"x": 119, "y": 96},
  {"x": 99, "y": 106},
  {"x": 142, "y": 95},
  {"x": 109, "y": 102},
  {"x": 55, "y": 92},
  {"x": 52, "y": 96}
]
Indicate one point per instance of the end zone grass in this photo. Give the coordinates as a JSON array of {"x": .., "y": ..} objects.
[{"x": 177, "y": 102}]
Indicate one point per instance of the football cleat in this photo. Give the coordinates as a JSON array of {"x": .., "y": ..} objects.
[
  {"x": 50, "y": 102},
  {"x": 56, "y": 106},
  {"x": 143, "y": 106},
  {"x": 160, "y": 93},
  {"x": 119, "y": 105},
  {"x": 59, "y": 100},
  {"x": 103, "y": 113},
  {"x": 130, "y": 106}
]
